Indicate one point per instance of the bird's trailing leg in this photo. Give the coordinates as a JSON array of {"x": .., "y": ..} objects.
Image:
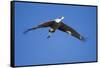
[
  {"x": 49, "y": 35},
  {"x": 50, "y": 32}
]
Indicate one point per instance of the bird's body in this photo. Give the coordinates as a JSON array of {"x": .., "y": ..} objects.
[{"x": 54, "y": 25}]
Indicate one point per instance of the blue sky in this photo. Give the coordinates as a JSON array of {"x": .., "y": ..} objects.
[{"x": 34, "y": 48}]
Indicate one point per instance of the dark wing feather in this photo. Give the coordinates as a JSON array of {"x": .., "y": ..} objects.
[
  {"x": 63, "y": 27},
  {"x": 43, "y": 25}
]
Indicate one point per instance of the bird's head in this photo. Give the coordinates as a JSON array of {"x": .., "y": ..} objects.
[
  {"x": 62, "y": 17},
  {"x": 59, "y": 19}
]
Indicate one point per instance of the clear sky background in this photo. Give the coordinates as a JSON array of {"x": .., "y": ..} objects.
[{"x": 34, "y": 48}]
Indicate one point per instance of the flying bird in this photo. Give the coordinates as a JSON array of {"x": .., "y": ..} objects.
[{"x": 57, "y": 24}]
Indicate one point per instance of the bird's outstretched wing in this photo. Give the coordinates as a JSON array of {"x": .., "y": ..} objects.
[
  {"x": 65, "y": 28},
  {"x": 46, "y": 24}
]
